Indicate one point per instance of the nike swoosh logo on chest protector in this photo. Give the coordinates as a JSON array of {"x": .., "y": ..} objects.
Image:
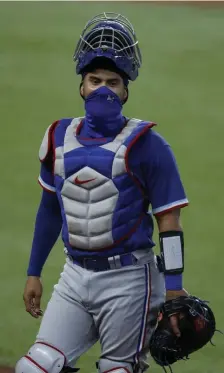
[
  {"x": 89, "y": 208},
  {"x": 87, "y": 185},
  {"x": 88, "y": 178},
  {"x": 80, "y": 182}
]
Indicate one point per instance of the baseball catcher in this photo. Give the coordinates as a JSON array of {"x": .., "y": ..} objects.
[{"x": 105, "y": 176}]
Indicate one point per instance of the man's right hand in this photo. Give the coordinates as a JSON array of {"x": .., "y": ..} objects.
[{"x": 32, "y": 296}]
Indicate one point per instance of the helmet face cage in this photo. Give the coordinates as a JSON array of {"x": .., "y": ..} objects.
[{"x": 110, "y": 31}]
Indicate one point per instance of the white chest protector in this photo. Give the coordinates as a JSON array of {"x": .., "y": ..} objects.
[{"x": 98, "y": 193}]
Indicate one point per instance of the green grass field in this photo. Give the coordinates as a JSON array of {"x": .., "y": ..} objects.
[{"x": 180, "y": 87}]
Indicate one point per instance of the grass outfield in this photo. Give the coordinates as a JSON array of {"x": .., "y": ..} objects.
[{"x": 180, "y": 87}]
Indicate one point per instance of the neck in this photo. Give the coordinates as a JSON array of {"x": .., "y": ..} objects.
[{"x": 97, "y": 126}]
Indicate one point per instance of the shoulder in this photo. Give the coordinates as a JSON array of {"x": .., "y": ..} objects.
[
  {"x": 160, "y": 149},
  {"x": 144, "y": 131},
  {"x": 47, "y": 140},
  {"x": 151, "y": 142},
  {"x": 153, "y": 150},
  {"x": 155, "y": 139}
]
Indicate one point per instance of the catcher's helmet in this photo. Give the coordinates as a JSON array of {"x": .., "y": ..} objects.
[{"x": 109, "y": 35}]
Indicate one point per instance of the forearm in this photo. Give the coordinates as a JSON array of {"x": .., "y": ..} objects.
[
  {"x": 169, "y": 225},
  {"x": 169, "y": 221},
  {"x": 47, "y": 229}
]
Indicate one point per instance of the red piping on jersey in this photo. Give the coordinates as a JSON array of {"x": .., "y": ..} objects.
[
  {"x": 43, "y": 187},
  {"x": 171, "y": 208},
  {"x": 93, "y": 139},
  {"x": 50, "y": 133},
  {"x": 53, "y": 348},
  {"x": 145, "y": 129},
  {"x": 78, "y": 129},
  {"x": 114, "y": 369},
  {"x": 35, "y": 363}
]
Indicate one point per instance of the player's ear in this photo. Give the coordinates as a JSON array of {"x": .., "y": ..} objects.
[
  {"x": 81, "y": 90},
  {"x": 125, "y": 99}
]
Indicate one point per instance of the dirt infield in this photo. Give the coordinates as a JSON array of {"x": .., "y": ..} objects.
[
  {"x": 4, "y": 369},
  {"x": 203, "y": 4}
]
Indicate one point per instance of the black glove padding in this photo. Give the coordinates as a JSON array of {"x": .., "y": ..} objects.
[{"x": 196, "y": 324}]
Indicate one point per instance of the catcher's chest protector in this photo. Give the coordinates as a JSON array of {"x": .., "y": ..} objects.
[{"x": 100, "y": 198}]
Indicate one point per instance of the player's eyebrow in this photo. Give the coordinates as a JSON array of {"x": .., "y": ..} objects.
[
  {"x": 92, "y": 77},
  {"x": 99, "y": 78},
  {"x": 113, "y": 80}
]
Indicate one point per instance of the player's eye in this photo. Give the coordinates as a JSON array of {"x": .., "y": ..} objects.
[
  {"x": 95, "y": 81},
  {"x": 113, "y": 83}
]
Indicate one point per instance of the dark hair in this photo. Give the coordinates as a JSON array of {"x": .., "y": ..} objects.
[{"x": 106, "y": 64}]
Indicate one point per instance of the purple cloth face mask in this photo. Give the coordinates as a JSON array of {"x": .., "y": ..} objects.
[{"x": 103, "y": 112}]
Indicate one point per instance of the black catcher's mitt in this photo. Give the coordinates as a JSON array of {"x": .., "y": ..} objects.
[{"x": 196, "y": 324}]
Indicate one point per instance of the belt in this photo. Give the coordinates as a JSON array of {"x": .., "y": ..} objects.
[{"x": 105, "y": 264}]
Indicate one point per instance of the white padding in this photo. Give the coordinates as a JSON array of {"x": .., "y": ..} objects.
[
  {"x": 114, "y": 366},
  {"x": 172, "y": 253},
  {"x": 45, "y": 145},
  {"x": 26, "y": 366},
  {"x": 41, "y": 358}
]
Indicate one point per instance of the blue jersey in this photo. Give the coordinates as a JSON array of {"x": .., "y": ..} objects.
[{"x": 109, "y": 188}]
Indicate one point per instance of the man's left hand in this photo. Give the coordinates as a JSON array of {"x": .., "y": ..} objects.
[{"x": 174, "y": 319}]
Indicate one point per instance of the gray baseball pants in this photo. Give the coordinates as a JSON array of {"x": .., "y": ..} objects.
[{"x": 117, "y": 307}]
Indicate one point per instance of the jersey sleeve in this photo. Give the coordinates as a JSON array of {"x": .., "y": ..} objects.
[
  {"x": 164, "y": 183},
  {"x": 46, "y": 177},
  {"x": 46, "y": 157},
  {"x": 47, "y": 229}
]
